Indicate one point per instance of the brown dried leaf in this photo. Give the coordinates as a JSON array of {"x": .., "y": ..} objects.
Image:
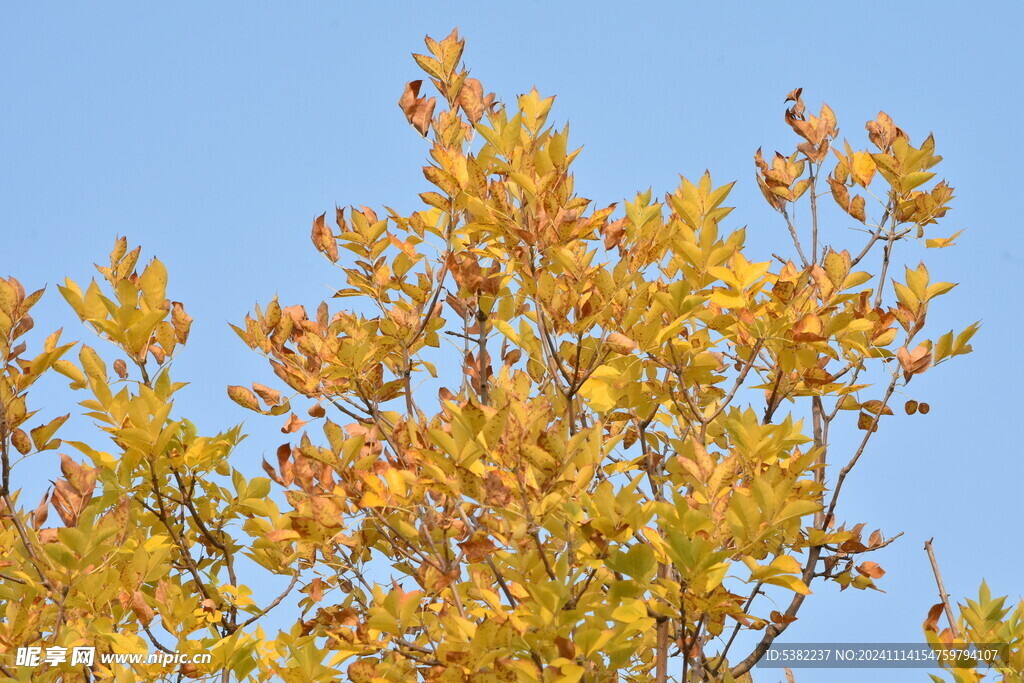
[
  {"x": 780, "y": 618},
  {"x": 565, "y": 647},
  {"x": 66, "y": 501},
  {"x": 271, "y": 397},
  {"x": 82, "y": 478},
  {"x": 422, "y": 115},
  {"x": 471, "y": 99},
  {"x": 158, "y": 353},
  {"x": 41, "y": 512},
  {"x": 882, "y": 131},
  {"x": 323, "y": 240},
  {"x": 369, "y": 214},
  {"x": 825, "y": 288},
  {"x": 620, "y": 343},
  {"x": 496, "y": 493},
  {"x": 512, "y": 357},
  {"x": 477, "y": 548},
  {"x": 914, "y": 362},
  {"x": 144, "y": 612},
  {"x": 857, "y": 209},
  {"x": 932, "y": 622},
  {"x": 293, "y": 424},
  {"x": 21, "y": 441},
  {"x": 272, "y": 473},
  {"x": 407, "y": 101},
  {"x": 866, "y": 422},
  {"x": 852, "y": 546},
  {"x": 871, "y": 569},
  {"x": 181, "y": 320},
  {"x": 613, "y": 233},
  {"x": 876, "y": 407}
]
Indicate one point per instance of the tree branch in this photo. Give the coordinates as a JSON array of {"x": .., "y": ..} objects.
[{"x": 943, "y": 595}]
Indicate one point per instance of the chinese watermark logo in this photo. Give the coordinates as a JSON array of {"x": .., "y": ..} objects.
[
  {"x": 78, "y": 656},
  {"x": 34, "y": 656}
]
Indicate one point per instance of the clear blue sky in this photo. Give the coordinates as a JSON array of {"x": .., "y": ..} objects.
[{"x": 212, "y": 133}]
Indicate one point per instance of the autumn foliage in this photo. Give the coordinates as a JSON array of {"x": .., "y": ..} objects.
[{"x": 549, "y": 441}]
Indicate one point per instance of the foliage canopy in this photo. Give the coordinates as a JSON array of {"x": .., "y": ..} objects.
[{"x": 629, "y": 448}]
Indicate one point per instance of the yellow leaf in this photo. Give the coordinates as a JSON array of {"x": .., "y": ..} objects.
[
  {"x": 153, "y": 284},
  {"x": 940, "y": 242},
  {"x": 786, "y": 563},
  {"x": 726, "y": 300},
  {"x": 630, "y": 610},
  {"x": 598, "y": 389},
  {"x": 912, "y": 180},
  {"x": 862, "y": 168},
  {"x": 244, "y": 397},
  {"x": 793, "y": 583}
]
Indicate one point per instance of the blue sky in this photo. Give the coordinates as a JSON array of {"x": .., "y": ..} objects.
[{"x": 212, "y": 133}]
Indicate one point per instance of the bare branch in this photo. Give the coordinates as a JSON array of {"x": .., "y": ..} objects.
[
  {"x": 943, "y": 595},
  {"x": 275, "y": 603}
]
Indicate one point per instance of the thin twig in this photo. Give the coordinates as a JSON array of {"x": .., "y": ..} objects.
[
  {"x": 229, "y": 559},
  {"x": 943, "y": 595},
  {"x": 490, "y": 563},
  {"x": 821, "y": 442},
  {"x": 152, "y": 639},
  {"x": 814, "y": 215},
  {"x": 736, "y": 629},
  {"x": 796, "y": 238},
  {"x": 739, "y": 382},
  {"x": 275, "y": 603},
  {"x": 886, "y": 256},
  {"x": 483, "y": 365},
  {"x": 860, "y": 451}
]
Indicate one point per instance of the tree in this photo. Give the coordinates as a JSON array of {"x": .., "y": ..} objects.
[{"x": 629, "y": 447}]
